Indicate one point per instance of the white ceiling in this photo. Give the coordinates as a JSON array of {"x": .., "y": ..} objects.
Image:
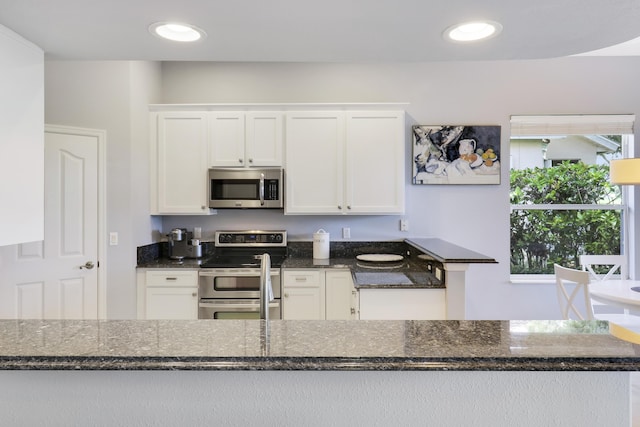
[{"x": 327, "y": 30}]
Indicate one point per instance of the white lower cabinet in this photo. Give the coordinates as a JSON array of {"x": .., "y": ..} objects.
[
  {"x": 340, "y": 296},
  {"x": 168, "y": 294},
  {"x": 402, "y": 304},
  {"x": 318, "y": 294}
]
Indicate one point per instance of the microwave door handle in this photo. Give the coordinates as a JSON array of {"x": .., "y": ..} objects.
[{"x": 261, "y": 189}]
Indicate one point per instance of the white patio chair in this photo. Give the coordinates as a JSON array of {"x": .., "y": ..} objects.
[
  {"x": 573, "y": 287},
  {"x": 567, "y": 298},
  {"x": 617, "y": 269},
  {"x": 616, "y": 264}
]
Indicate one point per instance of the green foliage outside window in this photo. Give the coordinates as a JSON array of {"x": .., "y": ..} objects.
[{"x": 540, "y": 238}]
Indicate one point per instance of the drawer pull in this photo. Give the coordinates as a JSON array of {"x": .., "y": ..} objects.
[
  {"x": 171, "y": 278},
  {"x": 301, "y": 279}
]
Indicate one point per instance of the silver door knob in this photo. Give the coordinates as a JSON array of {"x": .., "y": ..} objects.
[{"x": 88, "y": 265}]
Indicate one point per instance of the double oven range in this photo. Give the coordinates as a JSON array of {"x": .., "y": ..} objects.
[{"x": 229, "y": 284}]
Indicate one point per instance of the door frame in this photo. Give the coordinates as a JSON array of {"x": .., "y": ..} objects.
[{"x": 101, "y": 137}]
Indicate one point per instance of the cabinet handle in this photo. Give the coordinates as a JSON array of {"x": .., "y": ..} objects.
[
  {"x": 250, "y": 160},
  {"x": 240, "y": 160},
  {"x": 195, "y": 294},
  {"x": 171, "y": 278},
  {"x": 203, "y": 207},
  {"x": 286, "y": 295},
  {"x": 353, "y": 310},
  {"x": 348, "y": 207},
  {"x": 340, "y": 207}
]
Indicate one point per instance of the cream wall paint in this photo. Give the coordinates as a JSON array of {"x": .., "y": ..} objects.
[{"x": 102, "y": 94}]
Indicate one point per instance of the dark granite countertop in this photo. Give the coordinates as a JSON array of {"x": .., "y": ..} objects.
[
  {"x": 171, "y": 263},
  {"x": 446, "y": 252},
  {"x": 313, "y": 345},
  {"x": 408, "y": 274},
  {"x": 419, "y": 270}
]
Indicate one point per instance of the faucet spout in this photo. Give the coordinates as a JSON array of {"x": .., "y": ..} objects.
[{"x": 266, "y": 289}]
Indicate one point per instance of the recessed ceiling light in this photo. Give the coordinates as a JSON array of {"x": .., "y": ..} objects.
[
  {"x": 177, "y": 32},
  {"x": 472, "y": 31}
]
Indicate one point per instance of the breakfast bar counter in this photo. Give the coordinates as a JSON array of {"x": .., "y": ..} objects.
[
  {"x": 313, "y": 345},
  {"x": 292, "y": 373}
]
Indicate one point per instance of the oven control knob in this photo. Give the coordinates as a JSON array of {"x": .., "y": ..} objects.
[
  {"x": 276, "y": 238},
  {"x": 225, "y": 238}
]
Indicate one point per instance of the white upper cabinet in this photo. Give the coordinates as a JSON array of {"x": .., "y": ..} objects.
[
  {"x": 314, "y": 179},
  {"x": 21, "y": 140},
  {"x": 179, "y": 167},
  {"x": 345, "y": 162},
  {"x": 264, "y": 138},
  {"x": 374, "y": 162},
  {"x": 336, "y": 162},
  {"x": 251, "y": 139}
]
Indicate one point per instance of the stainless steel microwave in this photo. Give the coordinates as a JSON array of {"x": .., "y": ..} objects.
[{"x": 246, "y": 188}]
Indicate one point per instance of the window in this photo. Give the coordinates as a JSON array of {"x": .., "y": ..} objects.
[{"x": 562, "y": 204}]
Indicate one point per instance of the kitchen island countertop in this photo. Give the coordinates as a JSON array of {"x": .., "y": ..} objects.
[
  {"x": 407, "y": 274},
  {"x": 313, "y": 345}
]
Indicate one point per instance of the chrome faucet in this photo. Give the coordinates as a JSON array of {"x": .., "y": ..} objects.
[{"x": 266, "y": 290}]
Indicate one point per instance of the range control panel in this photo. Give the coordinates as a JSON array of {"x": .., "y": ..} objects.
[{"x": 251, "y": 238}]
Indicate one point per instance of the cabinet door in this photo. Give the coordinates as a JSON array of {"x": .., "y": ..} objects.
[
  {"x": 303, "y": 294},
  {"x": 181, "y": 154},
  {"x": 339, "y": 295},
  {"x": 375, "y": 160},
  {"x": 314, "y": 163},
  {"x": 302, "y": 304},
  {"x": 402, "y": 304},
  {"x": 226, "y": 147},
  {"x": 263, "y": 144},
  {"x": 171, "y": 303}
]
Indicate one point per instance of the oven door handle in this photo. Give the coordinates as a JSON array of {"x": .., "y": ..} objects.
[
  {"x": 252, "y": 305},
  {"x": 254, "y": 273}
]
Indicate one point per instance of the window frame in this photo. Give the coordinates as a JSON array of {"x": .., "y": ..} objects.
[{"x": 538, "y": 127}]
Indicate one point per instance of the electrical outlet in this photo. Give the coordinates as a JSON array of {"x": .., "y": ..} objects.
[
  {"x": 113, "y": 238},
  {"x": 404, "y": 225},
  {"x": 346, "y": 233}
]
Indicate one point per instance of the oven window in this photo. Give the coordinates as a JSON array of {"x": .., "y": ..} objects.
[
  {"x": 237, "y": 284},
  {"x": 234, "y": 189}
]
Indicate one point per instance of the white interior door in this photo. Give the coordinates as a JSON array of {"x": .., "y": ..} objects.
[{"x": 58, "y": 277}]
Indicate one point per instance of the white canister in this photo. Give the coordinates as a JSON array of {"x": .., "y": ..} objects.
[{"x": 321, "y": 244}]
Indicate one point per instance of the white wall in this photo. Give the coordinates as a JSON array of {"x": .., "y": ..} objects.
[
  {"x": 21, "y": 140},
  {"x": 112, "y": 96},
  {"x": 99, "y": 95},
  {"x": 307, "y": 398}
]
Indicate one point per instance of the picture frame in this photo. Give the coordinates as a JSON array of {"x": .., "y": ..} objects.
[{"x": 456, "y": 154}]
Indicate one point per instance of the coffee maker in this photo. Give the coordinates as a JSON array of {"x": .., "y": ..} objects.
[{"x": 183, "y": 245}]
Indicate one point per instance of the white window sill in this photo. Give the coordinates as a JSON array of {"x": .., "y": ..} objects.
[{"x": 537, "y": 279}]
